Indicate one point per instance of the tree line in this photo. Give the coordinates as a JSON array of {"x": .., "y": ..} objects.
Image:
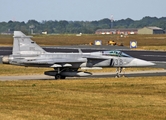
[{"x": 75, "y": 27}]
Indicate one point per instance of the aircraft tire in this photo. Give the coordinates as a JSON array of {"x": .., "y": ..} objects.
[{"x": 58, "y": 76}]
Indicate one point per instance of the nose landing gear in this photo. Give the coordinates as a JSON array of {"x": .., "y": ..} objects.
[{"x": 119, "y": 71}]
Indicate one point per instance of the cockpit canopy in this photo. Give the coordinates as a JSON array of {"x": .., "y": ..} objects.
[{"x": 115, "y": 53}]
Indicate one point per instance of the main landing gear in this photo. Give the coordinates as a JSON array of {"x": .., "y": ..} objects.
[{"x": 58, "y": 75}]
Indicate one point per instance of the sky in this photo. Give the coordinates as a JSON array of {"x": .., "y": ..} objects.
[{"x": 79, "y": 10}]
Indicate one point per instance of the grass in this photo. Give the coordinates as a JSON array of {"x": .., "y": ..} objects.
[
  {"x": 89, "y": 99},
  {"x": 6, "y": 69},
  {"x": 57, "y": 40}
]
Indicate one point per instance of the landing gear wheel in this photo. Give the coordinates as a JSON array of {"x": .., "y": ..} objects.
[
  {"x": 117, "y": 76},
  {"x": 58, "y": 76}
]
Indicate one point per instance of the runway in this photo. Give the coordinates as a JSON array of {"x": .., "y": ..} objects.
[{"x": 95, "y": 75}]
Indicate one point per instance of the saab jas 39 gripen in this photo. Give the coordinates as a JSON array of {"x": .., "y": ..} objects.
[{"x": 27, "y": 53}]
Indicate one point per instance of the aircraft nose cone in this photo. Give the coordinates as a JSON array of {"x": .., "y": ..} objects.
[{"x": 140, "y": 62}]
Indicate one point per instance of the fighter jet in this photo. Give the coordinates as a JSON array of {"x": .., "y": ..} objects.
[{"x": 27, "y": 53}]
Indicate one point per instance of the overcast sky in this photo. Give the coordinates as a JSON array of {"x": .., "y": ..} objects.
[{"x": 80, "y": 10}]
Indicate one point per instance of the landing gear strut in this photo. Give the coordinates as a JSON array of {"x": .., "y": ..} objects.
[{"x": 58, "y": 75}]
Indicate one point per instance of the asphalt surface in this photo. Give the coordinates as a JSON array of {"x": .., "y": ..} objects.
[
  {"x": 145, "y": 55},
  {"x": 95, "y": 75}
]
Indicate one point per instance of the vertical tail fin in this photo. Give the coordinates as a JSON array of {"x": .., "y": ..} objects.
[{"x": 22, "y": 44}]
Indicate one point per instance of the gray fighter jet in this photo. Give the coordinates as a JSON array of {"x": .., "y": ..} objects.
[{"x": 27, "y": 53}]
